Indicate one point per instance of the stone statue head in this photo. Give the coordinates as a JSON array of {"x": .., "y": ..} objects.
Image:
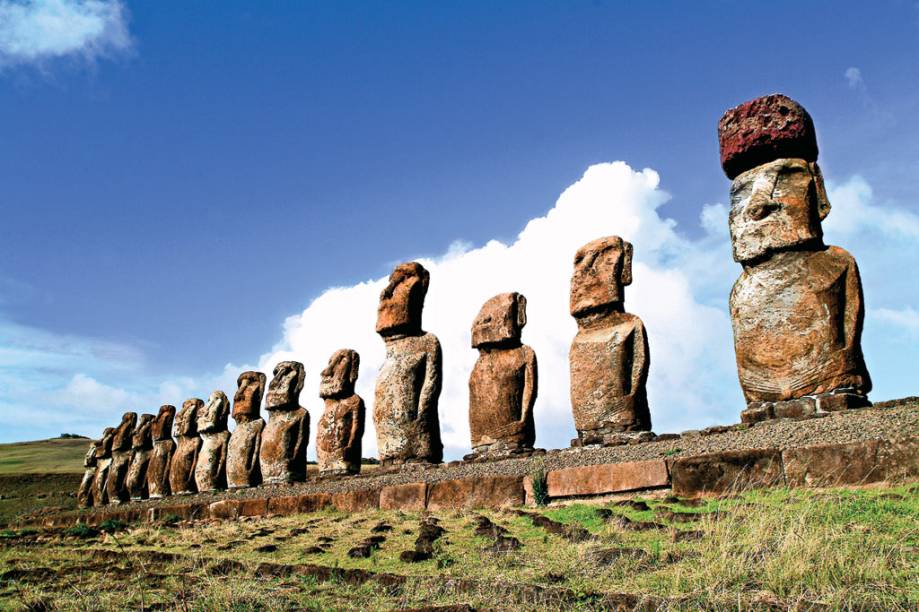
[
  {"x": 248, "y": 399},
  {"x": 286, "y": 385},
  {"x": 162, "y": 426},
  {"x": 338, "y": 378},
  {"x": 213, "y": 417},
  {"x": 778, "y": 199},
  {"x": 89, "y": 459},
  {"x": 187, "y": 419},
  {"x": 143, "y": 433},
  {"x": 105, "y": 443},
  {"x": 500, "y": 321},
  {"x": 602, "y": 268},
  {"x": 124, "y": 432},
  {"x": 402, "y": 301}
]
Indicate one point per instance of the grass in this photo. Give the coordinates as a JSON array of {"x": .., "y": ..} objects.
[
  {"x": 55, "y": 456},
  {"x": 841, "y": 548}
]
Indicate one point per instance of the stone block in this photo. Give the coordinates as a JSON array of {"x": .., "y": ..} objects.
[
  {"x": 357, "y": 501},
  {"x": 253, "y": 507},
  {"x": 224, "y": 509},
  {"x": 479, "y": 492},
  {"x": 608, "y": 478},
  {"x": 795, "y": 409},
  {"x": 284, "y": 505},
  {"x": 899, "y": 459},
  {"x": 832, "y": 464},
  {"x": 726, "y": 471},
  {"x": 408, "y": 497},
  {"x": 450, "y": 494}
]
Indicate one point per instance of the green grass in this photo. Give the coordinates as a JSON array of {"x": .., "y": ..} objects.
[
  {"x": 55, "y": 456},
  {"x": 842, "y": 548}
]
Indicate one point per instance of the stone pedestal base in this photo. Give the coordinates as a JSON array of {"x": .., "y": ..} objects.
[
  {"x": 804, "y": 407},
  {"x": 607, "y": 437},
  {"x": 500, "y": 450},
  {"x": 338, "y": 473}
]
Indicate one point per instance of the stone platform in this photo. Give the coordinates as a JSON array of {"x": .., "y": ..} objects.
[{"x": 853, "y": 447}]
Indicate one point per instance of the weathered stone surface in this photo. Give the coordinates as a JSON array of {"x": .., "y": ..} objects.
[
  {"x": 503, "y": 382},
  {"x": 898, "y": 459},
  {"x": 242, "y": 453},
  {"x": 142, "y": 445},
  {"x": 607, "y": 478},
  {"x": 764, "y": 129},
  {"x": 408, "y": 386},
  {"x": 85, "y": 492},
  {"x": 188, "y": 444},
  {"x": 103, "y": 463},
  {"x": 478, "y": 492},
  {"x": 282, "y": 455},
  {"x": 161, "y": 456},
  {"x": 357, "y": 501},
  {"x": 341, "y": 427},
  {"x": 797, "y": 308},
  {"x": 609, "y": 356},
  {"x": 211, "y": 466},
  {"x": 726, "y": 472},
  {"x": 408, "y": 497},
  {"x": 832, "y": 464},
  {"x": 117, "y": 483}
]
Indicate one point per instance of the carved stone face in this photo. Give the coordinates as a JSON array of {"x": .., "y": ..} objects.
[
  {"x": 248, "y": 399},
  {"x": 286, "y": 385},
  {"x": 402, "y": 301},
  {"x": 143, "y": 432},
  {"x": 187, "y": 419},
  {"x": 776, "y": 206},
  {"x": 213, "y": 417},
  {"x": 340, "y": 375},
  {"x": 162, "y": 426},
  {"x": 500, "y": 320},
  {"x": 124, "y": 432},
  {"x": 105, "y": 445},
  {"x": 601, "y": 269},
  {"x": 89, "y": 459}
]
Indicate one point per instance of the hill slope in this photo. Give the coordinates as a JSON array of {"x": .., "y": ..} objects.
[{"x": 55, "y": 456}]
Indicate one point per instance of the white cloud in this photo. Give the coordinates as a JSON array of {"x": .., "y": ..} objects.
[
  {"x": 34, "y": 31},
  {"x": 906, "y": 318},
  {"x": 854, "y": 78}
]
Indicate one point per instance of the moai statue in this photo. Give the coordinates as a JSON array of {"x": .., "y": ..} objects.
[
  {"x": 282, "y": 455},
  {"x": 85, "y": 492},
  {"x": 503, "y": 383},
  {"x": 339, "y": 433},
  {"x": 188, "y": 443},
  {"x": 609, "y": 355},
  {"x": 408, "y": 387},
  {"x": 797, "y": 308},
  {"x": 161, "y": 457},
  {"x": 242, "y": 453},
  {"x": 211, "y": 467},
  {"x": 103, "y": 464},
  {"x": 142, "y": 445},
  {"x": 117, "y": 485}
]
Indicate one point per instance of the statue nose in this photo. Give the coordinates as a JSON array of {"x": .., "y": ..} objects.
[{"x": 762, "y": 209}]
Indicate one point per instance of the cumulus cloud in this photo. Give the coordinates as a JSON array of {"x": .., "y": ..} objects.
[{"x": 35, "y": 31}]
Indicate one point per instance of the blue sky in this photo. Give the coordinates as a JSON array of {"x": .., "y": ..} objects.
[{"x": 178, "y": 179}]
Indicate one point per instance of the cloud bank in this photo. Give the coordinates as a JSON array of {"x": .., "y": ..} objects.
[
  {"x": 680, "y": 290},
  {"x": 35, "y": 31}
]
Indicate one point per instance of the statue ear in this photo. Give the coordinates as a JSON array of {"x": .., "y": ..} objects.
[
  {"x": 823, "y": 202},
  {"x": 521, "y": 310},
  {"x": 355, "y": 367},
  {"x": 625, "y": 276}
]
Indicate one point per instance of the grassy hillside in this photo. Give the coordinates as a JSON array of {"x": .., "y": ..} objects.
[
  {"x": 55, "y": 456},
  {"x": 776, "y": 549}
]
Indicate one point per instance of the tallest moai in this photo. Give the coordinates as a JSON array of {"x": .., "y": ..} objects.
[{"x": 797, "y": 308}]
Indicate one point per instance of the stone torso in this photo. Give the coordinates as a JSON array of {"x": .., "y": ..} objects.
[
  {"x": 137, "y": 473},
  {"x": 405, "y": 407},
  {"x": 158, "y": 468},
  {"x": 496, "y": 396},
  {"x": 336, "y": 451},
  {"x": 210, "y": 469},
  {"x": 793, "y": 319},
  {"x": 182, "y": 467},
  {"x": 117, "y": 484},
  {"x": 606, "y": 360},
  {"x": 242, "y": 454},
  {"x": 282, "y": 457},
  {"x": 85, "y": 493},
  {"x": 100, "y": 481}
]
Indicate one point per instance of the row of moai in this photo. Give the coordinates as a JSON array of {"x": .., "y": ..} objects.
[{"x": 797, "y": 313}]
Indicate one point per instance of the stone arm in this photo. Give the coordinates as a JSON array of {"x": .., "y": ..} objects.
[
  {"x": 357, "y": 423},
  {"x": 854, "y": 314},
  {"x": 430, "y": 388},
  {"x": 640, "y": 358},
  {"x": 530, "y": 386},
  {"x": 252, "y": 459},
  {"x": 303, "y": 438}
]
